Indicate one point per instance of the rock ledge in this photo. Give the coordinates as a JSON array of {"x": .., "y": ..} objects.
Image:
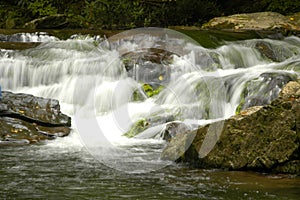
[{"x": 26, "y": 119}]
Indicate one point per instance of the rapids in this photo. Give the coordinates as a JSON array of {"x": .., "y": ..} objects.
[{"x": 88, "y": 77}]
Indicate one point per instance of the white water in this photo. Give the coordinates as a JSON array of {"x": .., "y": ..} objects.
[
  {"x": 28, "y": 37},
  {"x": 93, "y": 87}
]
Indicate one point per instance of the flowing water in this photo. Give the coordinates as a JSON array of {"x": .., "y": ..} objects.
[{"x": 88, "y": 77}]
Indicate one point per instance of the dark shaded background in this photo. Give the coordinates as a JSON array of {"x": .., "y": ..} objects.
[{"x": 125, "y": 14}]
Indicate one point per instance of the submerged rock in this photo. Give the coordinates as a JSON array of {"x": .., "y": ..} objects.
[
  {"x": 261, "y": 138},
  {"x": 149, "y": 66},
  {"x": 172, "y": 129},
  {"x": 28, "y": 119},
  {"x": 263, "y": 89},
  {"x": 145, "y": 123}
]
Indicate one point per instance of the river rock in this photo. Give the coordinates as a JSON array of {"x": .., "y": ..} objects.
[
  {"x": 260, "y": 93},
  {"x": 150, "y": 66},
  {"x": 172, "y": 129},
  {"x": 145, "y": 123},
  {"x": 261, "y": 138},
  {"x": 28, "y": 119},
  {"x": 254, "y": 21}
]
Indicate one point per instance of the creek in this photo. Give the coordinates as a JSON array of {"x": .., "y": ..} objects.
[{"x": 87, "y": 75}]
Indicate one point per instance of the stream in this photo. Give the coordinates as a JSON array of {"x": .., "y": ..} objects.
[{"x": 105, "y": 99}]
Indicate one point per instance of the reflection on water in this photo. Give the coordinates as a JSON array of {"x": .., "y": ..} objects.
[{"x": 51, "y": 171}]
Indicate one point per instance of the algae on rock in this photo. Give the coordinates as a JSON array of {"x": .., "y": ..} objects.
[{"x": 262, "y": 138}]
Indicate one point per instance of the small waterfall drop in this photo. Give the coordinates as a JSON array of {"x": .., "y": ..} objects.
[{"x": 94, "y": 87}]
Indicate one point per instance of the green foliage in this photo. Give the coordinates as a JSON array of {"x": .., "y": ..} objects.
[
  {"x": 282, "y": 6},
  {"x": 109, "y": 14},
  {"x": 195, "y": 12},
  {"x": 42, "y": 8},
  {"x": 125, "y": 14}
]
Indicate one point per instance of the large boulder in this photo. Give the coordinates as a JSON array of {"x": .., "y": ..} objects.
[
  {"x": 28, "y": 119},
  {"x": 254, "y": 21},
  {"x": 261, "y": 138}
]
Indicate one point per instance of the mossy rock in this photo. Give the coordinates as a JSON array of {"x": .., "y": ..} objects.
[
  {"x": 146, "y": 91},
  {"x": 151, "y": 121},
  {"x": 137, "y": 128},
  {"x": 152, "y": 91},
  {"x": 261, "y": 138}
]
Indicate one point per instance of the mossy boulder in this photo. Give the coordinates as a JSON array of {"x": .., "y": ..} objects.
[{"x": 262, "y": 138}]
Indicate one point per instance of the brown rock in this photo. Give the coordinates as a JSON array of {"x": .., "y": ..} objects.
[
  {"x": 264, "y": 138},
  {"x": 26, "y": 119},
  {"x": 253, "y": 21}
]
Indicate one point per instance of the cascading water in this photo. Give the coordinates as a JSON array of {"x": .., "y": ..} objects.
[
  {"x": 28, "y": 37},
  {"x": 94, "y": 87}
]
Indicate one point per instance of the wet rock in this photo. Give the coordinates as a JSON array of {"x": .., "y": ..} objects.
[
  {"x": 262, "y": 92},
  {"x": 26, "y": 119},
  {"x": 172, "y": 129},
  {"x": 142, "y": 124},
  {"x": 165, "y": 131},
  {"x": 274, "y": 52},
  {"x": 53, "y": 132},
  {"x": 150, "y": 66},
  {"x": 254, "y": 21},
  {"x": 262, "y": 138},
  {"x": 34, "y": 109},
  {"x": 16, "y": 131}
]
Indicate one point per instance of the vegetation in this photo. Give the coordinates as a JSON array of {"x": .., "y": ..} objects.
[
  {"x": 138, "y": 127},
  {"x": 123, "y": 14}
]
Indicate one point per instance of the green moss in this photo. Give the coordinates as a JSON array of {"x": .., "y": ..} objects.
[
  {"x": 137, "y": 127},
  {"x": 240, "y": 106},
  {"x": 150, "y": 91},
  {"x": 136, "y": 96},
  {"x": 126, "y": 60}
]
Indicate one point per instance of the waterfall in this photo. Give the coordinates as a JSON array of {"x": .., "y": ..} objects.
[{"x": 93, "y": 86}]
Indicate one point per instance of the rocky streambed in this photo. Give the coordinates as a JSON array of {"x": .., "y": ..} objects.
[
  {"x": 260, "y": 138},
  {"x": 26, "y": 119}
]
